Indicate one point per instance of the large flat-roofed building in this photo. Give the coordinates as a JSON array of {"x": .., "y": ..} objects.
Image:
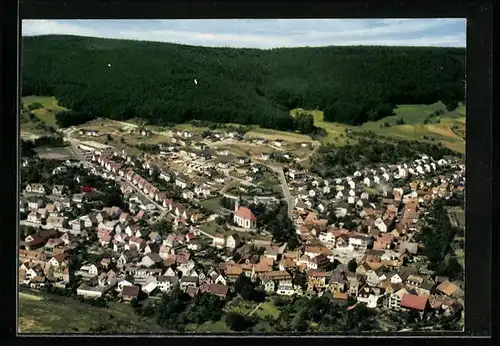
[{"x": 96, "y": 146}]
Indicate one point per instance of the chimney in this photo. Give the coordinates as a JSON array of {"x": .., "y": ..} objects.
[{"x": 236, "y": 205}]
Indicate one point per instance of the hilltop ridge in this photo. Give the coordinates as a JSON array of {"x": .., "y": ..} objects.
[{"x": 124, "y": 79}]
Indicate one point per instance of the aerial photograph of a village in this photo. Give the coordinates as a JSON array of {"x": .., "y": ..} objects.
[{"x": 242, "y": 176}]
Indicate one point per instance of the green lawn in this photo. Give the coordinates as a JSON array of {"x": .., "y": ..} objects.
[
  {"x": 66, "y": 315},
  {"x": 213, "y": 228},
  {"x": 212, "y": 204},
  {"x": 243, "y": 307},
  {"x": 214, "y": 327},
  {"x": 267, "y": 309}
]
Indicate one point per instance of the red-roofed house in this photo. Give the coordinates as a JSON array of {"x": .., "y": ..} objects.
[
  {"x": 414, "y": 302},
  {"x": 245, "y": 218}
]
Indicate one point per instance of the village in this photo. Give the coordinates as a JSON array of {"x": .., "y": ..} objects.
[{"x": 189, "y": 222}]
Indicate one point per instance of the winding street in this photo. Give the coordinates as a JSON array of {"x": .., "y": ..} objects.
[{"x": 284, "y": 186}]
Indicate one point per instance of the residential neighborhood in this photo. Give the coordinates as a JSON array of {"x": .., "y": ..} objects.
[{"x": 197, "y": 220}]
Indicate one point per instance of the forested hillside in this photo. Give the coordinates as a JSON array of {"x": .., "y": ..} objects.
[{"x": 155, "y": 81}]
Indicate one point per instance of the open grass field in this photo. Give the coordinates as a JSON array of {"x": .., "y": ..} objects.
[
  {"x": 243, "y": 307},
  {"x": 60, "y": 153},
  {"x": 49, "y": 109},
  {"x": 208, "y": 327},
  {"x": 273, "y": 135},
  {"x": 213, "y": 228},
  {"x": 212, "y": 204},
  {"x": 267, "y": 309},
  {"x": 56, "y": 314},
  {"x": 412, "y": 129},
  {"x": 449, "y": 131}
]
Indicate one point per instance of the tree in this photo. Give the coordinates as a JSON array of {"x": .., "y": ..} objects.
[
  {"x": 34, "y": 106},
  {"x": 352, "y": 265},
  {"x": 238, "y": 322},
  {"x": 162, "y": 227},
  {"x": 254, "y": 87},
  {"x": 299, "y": 322},
  {"x": 304, "y": 123}
]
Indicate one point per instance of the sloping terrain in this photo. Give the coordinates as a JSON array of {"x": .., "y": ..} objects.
[{"x": 124, "y": 79}]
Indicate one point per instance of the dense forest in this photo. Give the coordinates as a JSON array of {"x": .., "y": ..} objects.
[{"x": 122, "y": 79}]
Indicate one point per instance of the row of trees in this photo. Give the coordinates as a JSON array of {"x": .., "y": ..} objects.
[
  {"x": 438, "y": 235},
  {"x": 28, "y": 146},
  {"x": 177, "y": 309},
  {"x": 275, "y": 220},
  {"x": 155, "y": 81}
]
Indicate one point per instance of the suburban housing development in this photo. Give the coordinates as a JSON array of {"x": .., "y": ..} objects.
[
  {"x": 168, "y": 187},
  {"x": 358, "y": 235}
]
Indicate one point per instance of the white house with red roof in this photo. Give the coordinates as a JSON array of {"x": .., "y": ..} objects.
[{"x": 245, "y": 218}]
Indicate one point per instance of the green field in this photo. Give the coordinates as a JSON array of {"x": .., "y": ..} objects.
[
  {"x": 49, "y": 109},
  {"x": 212, "y": 204},
  {"x": 267, "y": 309},
  {"x": 449, "y": 131},
  {"x": 413, "y": 127},
  {"x": 213, "y": 228},
  {"x": 57, "y": 314},
  {"x": 273, "y": 135},
  {"x": 207, "y": 327}
]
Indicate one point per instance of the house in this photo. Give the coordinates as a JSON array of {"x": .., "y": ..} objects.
[
  {"x": 88, "y": 270},
  {"x": 286, "y": 290},
  {"x": 450, "y": 289},
  {"x": 218, "y": 240},
  {"x": 414, "y": 302},
  {"x": 127, "y": 257},
  {"x": 34, "y": 217},
  {"x": 215, "y": 289},
  {"x": 271, "y": 252},
  {"x": 35, "y": 188},
  {"x": 265, "y": 156},
  {"x": 78, "y": 198},
  {"x": 137, "y": 242},
  {"x": 59, "y": 260},
  {"x": 188, "y": 281},
  {"x": 338, "y": 281},
  {"x": 269, "y": 285},
  {"x": 413, "y": 281},
  {"x": 318, "y": 262},
  {"x": 167, "y": 283},
  {"x": 181, "y": 182},
  {"x": 394, "y": 299},
  {"x": 130, "y": 292},
  {"x": 370, "y": 296},
  {"x": 58, "y": 190},
  {"x": 56, "y": 222},
  {"x": 245, "y": 218},
  {"x": 233, "y": 241},
  {"x": 35, "y": 203},
  {"x": 216, "y": 279},
  {"x": 34, "y": 242},
  {"x": 151, "y": 260}
]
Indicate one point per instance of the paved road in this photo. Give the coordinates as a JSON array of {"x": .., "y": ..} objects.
[
  {"x": 152, "y": 201},
  {"x": 284, "y": 186},
  {"x": 78, "y": 153}
]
